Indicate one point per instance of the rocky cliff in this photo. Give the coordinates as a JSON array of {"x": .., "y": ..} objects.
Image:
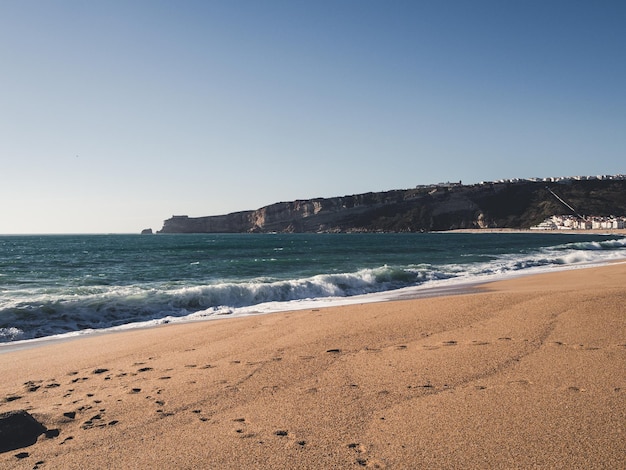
[{"x": 431, "y": 208}]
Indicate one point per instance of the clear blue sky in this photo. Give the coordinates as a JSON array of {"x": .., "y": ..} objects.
[{"x": 114, "y": 115}]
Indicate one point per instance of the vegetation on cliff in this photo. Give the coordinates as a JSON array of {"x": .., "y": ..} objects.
[{"x": 429, "y": 208}]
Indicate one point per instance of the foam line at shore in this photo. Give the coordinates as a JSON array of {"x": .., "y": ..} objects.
[{"x": 447, "y": 287}]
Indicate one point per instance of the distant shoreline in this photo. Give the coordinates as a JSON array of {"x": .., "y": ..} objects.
[{"x": 601, "y": 231}]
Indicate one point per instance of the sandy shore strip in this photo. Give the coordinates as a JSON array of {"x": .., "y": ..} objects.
[
  {"x": 598, "y": 231},
  {"x": 528, "y": 372}
]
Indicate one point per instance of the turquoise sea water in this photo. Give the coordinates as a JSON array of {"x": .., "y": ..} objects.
[{"x": 73, "y": 284}]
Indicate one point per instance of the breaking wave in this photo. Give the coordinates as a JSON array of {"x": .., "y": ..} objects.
[{"x": 35, "y": 313}]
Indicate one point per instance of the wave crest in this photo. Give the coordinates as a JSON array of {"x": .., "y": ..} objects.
[{"x": 125, "y": 304}]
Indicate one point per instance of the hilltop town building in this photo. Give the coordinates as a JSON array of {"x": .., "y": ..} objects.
[{"x": 570, "y": 222}]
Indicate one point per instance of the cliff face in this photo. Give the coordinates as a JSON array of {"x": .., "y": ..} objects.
[{"x": 512, "y": 205}]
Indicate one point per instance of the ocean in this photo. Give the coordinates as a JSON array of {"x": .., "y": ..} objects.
[{"x": 73, "y": 285}]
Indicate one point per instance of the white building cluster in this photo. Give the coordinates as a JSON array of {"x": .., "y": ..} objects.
[
  {"x": 558, "y": 179},
  {"x": 570, "y": 222}
]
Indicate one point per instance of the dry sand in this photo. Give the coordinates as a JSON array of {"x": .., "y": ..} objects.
[{"x": 524, "y": 373}]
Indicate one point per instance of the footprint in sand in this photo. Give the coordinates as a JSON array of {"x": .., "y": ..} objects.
[
  {"x": 242, "y": 431},
  {"x": 359, "y": 448},
  {"x": 79, "y": 379},
  {"x": 52, "y": 433},
  {"x": 361, "y": 459},
  {"x": 427, "y": 386},
  {"x": 32, "y": 386},
  {"x": 96, "y": 421},
  {"x": 520, "y": 382}
]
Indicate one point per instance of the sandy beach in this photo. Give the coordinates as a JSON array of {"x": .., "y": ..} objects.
[{"x": 529, "y": 372}]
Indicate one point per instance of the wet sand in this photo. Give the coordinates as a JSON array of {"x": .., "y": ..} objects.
[{"x": 529, "y": 372}]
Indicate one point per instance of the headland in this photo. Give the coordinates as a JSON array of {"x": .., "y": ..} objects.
[{"x": 510, "y": 204}]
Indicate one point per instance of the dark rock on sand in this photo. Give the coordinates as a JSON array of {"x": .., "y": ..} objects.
[
  {"x": 52, "y": 433},
  {"x": 18, "y": 429}
]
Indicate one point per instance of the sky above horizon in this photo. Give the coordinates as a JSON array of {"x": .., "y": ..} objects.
[{"x": 116, "y": 115}]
